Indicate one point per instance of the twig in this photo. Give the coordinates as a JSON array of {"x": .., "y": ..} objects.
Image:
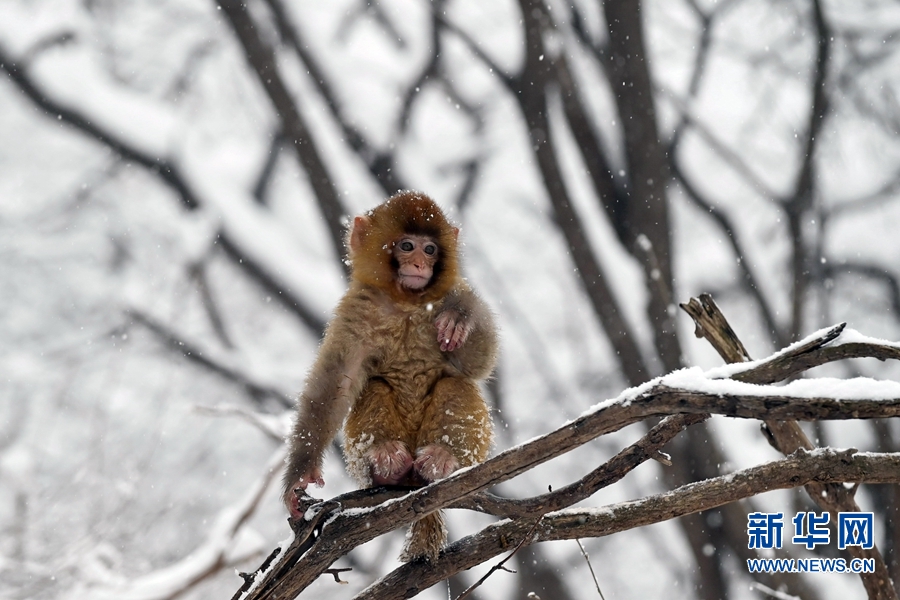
[
  {"x": 499, "y": 565},
  {"x": 587, "y": 559},
  {"x": 773, "y": 593},
  {"x": 262, "y": 61},
  {"x": 336, "y": 573},
  {"x": 226, "y": 363},
  {"x": 272, "y": 426}
]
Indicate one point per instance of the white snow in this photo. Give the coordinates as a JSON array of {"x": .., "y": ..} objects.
[{"x": 97, "y": 419}]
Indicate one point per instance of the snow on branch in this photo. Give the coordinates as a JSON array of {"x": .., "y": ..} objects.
[
  {"x": 824, "y": 465},
  {"x": 334, "y": 527},
  {"x": 786, "y": 435}
]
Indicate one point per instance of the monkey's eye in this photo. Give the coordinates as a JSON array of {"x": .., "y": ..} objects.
[
  {"x": 407, "y": 246},
  {"x": 430, "y": 249}
]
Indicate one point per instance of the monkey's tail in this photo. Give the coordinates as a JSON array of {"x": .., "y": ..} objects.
[{"x": 425, "y": 538}]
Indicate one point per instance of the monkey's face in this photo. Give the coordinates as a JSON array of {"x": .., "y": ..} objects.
[{"x": 415, "y": 257}]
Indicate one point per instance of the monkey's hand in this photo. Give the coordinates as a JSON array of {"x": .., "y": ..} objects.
[
  {"x": 434, "y": 462},
  {"x": 291, "y": 501},
  {"x": 453, "y": 329}
]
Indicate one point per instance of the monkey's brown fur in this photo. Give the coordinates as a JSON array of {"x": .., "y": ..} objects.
[{"x": 381, "y": 361}]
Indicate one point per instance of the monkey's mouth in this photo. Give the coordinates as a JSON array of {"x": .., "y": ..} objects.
[{"x": 413, "y": 282}]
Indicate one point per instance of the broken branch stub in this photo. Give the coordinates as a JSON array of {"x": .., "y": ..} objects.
[{"x": 786, "y": 436}]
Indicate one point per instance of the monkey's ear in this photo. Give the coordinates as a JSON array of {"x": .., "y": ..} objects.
[
  {"x": 358, "y": 232},
  {"x": 456, "y": 233}
]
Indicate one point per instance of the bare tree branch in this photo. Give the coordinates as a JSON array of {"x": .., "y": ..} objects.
[
  {"x": 869, "y": 271},
  {"x": 373, "y": 9},
  {"x": 275, "y": 428},
  {"x": 381, "y": 163},
  {"x": 818, "y": 351},
  {"x": 647, "y": 209},
  {"x": 612, "y": 199},
  {"x": 170, "y": 174},
  {"x": 750, "y": 279},
  {"x": 822, "y": 466},
  {"x": 787, "y": 437},
  {"x": 533, "y": 102},
  {"x": 727, "y": 154},
  {"x": 499, "y": 566},
  {"x": 603, "y": 476},
  {"x": 315, "y": 549},
  {"x": 263, "y": 63},
  {"x": 512, "y": 83},
  {"x": 701, "y": 60},
  {"x": 801, "y": 201},
  {"x": 223, "y": 363},
  {"x": 261, "y": 188},
  {"x": 166, "y": 170},
  {"x": 198, "y": 272}
]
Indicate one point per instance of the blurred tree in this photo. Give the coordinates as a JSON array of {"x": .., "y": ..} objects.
[{"x": 176, "y": 176}]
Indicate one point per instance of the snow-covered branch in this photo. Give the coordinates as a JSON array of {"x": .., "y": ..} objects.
[
  {"x": 822, "y": 466},
  {"x": 690, "y": 395}
]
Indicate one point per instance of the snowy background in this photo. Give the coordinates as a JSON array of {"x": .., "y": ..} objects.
[{"x": 165, "y": 267}]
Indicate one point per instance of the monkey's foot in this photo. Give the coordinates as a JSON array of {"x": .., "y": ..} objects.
[
  {"x": 390, "y": 462},
  {"x": 434, "y": 462}
]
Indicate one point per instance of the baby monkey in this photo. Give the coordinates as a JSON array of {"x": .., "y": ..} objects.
[{"x": 401, "y": 360}]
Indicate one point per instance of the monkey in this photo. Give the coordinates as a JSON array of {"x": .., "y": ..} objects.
[{"x": 399, "y": 365}]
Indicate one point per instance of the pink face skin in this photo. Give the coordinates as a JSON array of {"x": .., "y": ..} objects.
[{"x": 416, "y": 255}]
